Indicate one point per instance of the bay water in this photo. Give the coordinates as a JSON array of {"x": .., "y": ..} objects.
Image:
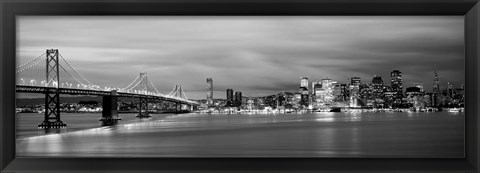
[{"x": 318, "y": 134}]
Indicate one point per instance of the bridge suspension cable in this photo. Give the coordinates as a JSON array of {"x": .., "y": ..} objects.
[
  {"x": 153, "y": 86},
  {"x": 32, "y": 70},
  {"x": 183, "y": 94},
  {"x": 174, "y": 90},
  {"x": 178, "y": 92},
  {"x": 132, "y": 82},
  {"x": 140, "y": 81},
  {"x": 25, "y": 64},
  {"x": 76, "y": 71},
  {"x": 33, "y": 65},
  {"x": 74, "y": 78}
]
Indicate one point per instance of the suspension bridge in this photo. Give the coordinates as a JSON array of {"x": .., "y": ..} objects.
[{"x": 52, "y": 75}]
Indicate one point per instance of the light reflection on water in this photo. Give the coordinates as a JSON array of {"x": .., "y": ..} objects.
[{"x": 325, "y": 134}]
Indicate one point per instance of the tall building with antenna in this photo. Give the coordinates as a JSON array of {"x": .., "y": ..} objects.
[
  {"x": 436, "y": 88},
  {"x": 436, "y": 83}
]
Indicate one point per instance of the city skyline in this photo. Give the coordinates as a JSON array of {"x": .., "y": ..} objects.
[
  {"x": 255, "y": 55},
  {"x": 305, "y": 82}
]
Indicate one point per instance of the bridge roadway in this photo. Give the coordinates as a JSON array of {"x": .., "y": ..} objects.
[
  {"x": 76, "y": 91},
  {"x": 109, "y": 105}
]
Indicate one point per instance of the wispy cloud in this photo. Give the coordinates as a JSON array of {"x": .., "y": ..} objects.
[{"x": 251, "y": 54}]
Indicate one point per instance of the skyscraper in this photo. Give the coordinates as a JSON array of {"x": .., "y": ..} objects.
[
  {"x": 420, "y": 85},
  {"x": 354, "y": 91},
  {"x": 313, "y": 86},
  {"x": 366, "y": 95},
  {"x": 229, "y": 97},
  {"x": 450, "y": 91},
  {"x": 209, "y": 91},
  {"x": 377, "y": 80},
  {"x": 436, "y": 83},
  {"x": 303, "y": 90},
  {"x": 436, "y": 88},
  {"x": 396, "y": 80},
  {"x": 327, "y": 85},
  {"x": 304, "y": 82},
  {"x": 355, "y": 81},
  {"x": 377, "y": 86},
  {"x": 317, "y": 86},
  {"x": 414, "y": 97},
  {"x": 238, "y": 99},
  {"x": 344, "y": 91}
]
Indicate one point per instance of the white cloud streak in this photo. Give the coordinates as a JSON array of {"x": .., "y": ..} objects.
[{"x": 250, "y": 54}]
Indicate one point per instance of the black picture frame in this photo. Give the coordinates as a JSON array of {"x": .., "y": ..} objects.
[{"x": 11, "y": 8}]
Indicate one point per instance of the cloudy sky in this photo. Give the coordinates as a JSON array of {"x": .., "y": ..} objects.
[{"x": 255, "y": 55}]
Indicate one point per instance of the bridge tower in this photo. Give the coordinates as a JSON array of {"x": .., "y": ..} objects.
[
  {"x": 177, "y": 92},
  {"x": 52, "y": 94},
  {"x": 109, "y": 111},
  {"x": 143, "y": 104}
]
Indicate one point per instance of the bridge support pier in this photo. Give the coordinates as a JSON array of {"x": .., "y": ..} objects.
[
  {"x": 143, "y": 108},
  {"x": 52, "y": 110},
  {"x": 178, "y": 108},
  {"x": 110, "y": 112}
]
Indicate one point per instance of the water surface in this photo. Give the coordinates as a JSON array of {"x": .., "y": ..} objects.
[{"x": 399, "y": 135}]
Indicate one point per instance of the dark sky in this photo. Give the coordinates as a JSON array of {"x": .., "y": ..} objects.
[{"x": 255, "y": 55}]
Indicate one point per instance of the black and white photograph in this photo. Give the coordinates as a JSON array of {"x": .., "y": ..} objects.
[{"x": 240, "y": 86}]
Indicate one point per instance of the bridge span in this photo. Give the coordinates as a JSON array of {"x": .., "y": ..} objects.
[{"x": 56, "y": 77}]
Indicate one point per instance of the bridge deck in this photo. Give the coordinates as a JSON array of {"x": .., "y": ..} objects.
[{"x": 76, "y": 91}]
